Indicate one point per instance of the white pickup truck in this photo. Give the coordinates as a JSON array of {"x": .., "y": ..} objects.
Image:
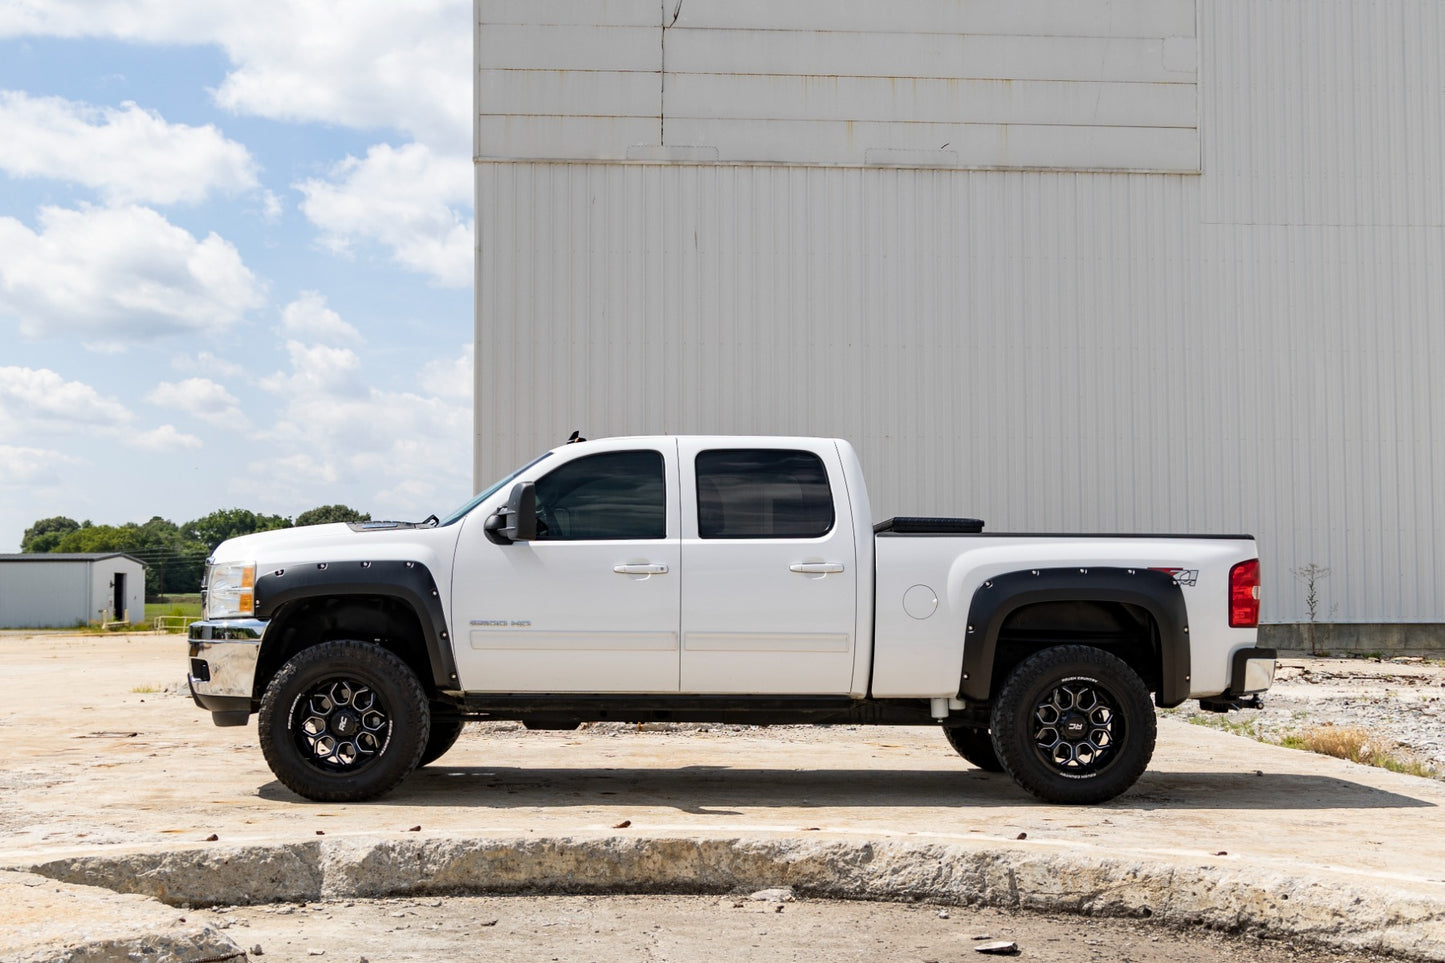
[{"x": 718, "y": 579}]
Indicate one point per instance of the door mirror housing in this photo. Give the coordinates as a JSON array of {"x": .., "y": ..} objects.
[{"x": 518, "y": 521}]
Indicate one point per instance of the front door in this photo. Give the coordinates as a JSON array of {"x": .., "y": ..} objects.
[
  {"x": 770, "y": 601},
  {"x": 593, "y": 604}
]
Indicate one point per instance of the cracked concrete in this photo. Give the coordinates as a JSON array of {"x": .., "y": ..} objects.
[{"x": 1278, "y": 905}]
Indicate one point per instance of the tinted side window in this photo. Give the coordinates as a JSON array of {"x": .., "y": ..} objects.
[
  {"x": 615, "y": 494},
  {"x": 762, "y": 493}
]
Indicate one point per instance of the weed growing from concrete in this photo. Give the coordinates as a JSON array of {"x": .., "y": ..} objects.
[{"x": 1343, "y": 742}]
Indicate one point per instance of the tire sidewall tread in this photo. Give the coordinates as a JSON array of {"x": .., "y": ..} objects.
[
  {"x": 1012, "y": 713},
  {"x": 382, "y": 671}
]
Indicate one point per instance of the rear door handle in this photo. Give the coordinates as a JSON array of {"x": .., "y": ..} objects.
[
  {"x": 816, "y": 568},
  {"x": 641, "y": 568}
]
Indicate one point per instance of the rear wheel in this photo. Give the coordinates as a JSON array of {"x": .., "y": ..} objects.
[
  {"x": 343, "y": 721},
  {"x": 1074, "y": 724},
  {"x": 444, "y": 734},
  {"x": 975, "y": 746}
]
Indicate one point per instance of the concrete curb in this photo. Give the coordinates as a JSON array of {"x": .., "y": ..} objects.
[
  {"x": 50, "y": 922},
  {"x": 1317, "y": 909}
]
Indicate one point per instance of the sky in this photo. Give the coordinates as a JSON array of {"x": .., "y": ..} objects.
[{"x": 236, "y": 256}]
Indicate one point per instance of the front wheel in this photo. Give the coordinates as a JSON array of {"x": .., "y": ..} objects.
[
  {"x": 343, "y": 721},
  {"x": 1074, "y": 724}
]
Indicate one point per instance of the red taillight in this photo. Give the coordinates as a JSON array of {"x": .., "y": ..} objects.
[{"x": 1244, "y": 595}]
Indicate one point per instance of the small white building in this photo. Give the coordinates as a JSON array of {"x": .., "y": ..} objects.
[{"x": 57, "y": 590}]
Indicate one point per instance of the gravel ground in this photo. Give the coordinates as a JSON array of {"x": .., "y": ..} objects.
[
  {"x": 628, "y": 929},
  {"x": 1399, "y": 702}
]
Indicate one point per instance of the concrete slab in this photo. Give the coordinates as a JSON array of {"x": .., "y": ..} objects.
[
  {"x": 112, "y": 777},
  {"x": 51, "y": 921}
]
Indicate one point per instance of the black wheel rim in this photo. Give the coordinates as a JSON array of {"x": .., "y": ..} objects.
[
  {"x": 340, "y": 725},
  {"x": 1076, "y": 728}
]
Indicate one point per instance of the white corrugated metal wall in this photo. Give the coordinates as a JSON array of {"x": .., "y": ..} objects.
[
  {"x": 1253, "y": 347},
  {"x": 44, "y": 594}
]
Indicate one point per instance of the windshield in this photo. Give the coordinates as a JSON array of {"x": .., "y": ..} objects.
[{"x": 457, "y": 514}]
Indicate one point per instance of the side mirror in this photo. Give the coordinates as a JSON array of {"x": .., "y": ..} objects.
[{"x": 518, "y": 521}]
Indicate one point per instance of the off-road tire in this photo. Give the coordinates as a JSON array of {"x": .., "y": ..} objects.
[
  {"x": 343, "y": 721},
  {"x": 444, "y": 734},
  {"x": 1074, "y": 724},
  {"x": 975, "y": 746}
]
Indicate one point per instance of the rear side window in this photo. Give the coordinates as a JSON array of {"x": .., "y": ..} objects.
[
  {"x": 614, "y": 494},
  {"x": 762, "y": 493}
]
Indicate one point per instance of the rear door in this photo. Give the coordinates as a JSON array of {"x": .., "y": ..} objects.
[{"x": 770, "y": 599}]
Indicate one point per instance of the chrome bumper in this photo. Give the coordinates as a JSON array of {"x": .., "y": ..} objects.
[{"x": 222, "y": 675}]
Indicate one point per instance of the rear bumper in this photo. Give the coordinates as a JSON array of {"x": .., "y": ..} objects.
[
  {"x": 1252, "y": 671},
  {"x": 222, "y": 677}
]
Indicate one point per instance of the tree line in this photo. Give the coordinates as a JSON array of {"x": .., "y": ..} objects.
[{"x": 175, "y": 555}]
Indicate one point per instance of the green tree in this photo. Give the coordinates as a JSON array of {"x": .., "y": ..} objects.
[
  {"x": 46, "y": 533},
  {"x": 173, "y": 562},
  {"x": 215, "y": 528},
  {"x": 327, "y": 514}
]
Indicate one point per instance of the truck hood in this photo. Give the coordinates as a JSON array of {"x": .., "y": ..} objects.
[{"x": 337, "y": 542}]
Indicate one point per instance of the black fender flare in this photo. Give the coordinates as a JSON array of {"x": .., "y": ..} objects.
[
  {"x": 1154, "y": 591},
  {"x": 408, "y": 582}
]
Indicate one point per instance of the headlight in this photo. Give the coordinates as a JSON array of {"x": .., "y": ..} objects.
[{"x": 231, "y": 590}]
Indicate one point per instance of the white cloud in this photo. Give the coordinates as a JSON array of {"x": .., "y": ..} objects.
[
  {"x": 375, "y": 65},
  {"x": 166, "y": 438},
  {"x": 127, "y": 154},
  {"x": 451, "y": 378},
  {"x": 334, "y": 427},
  {"x": 20, "y": 465},
  {"x": 272, "y": 207},
  {"x": 33, "y": 399},
  {"x": 319, "y": 371},
  {"x": 366, "y": 65},
  {"x": 309, "y": 318},
  {"x": 206, "y": 361},
  {"x": 406, "y": 198},
  {"x": 202, "y": 398},
  {"x": 118, "y": 275}
]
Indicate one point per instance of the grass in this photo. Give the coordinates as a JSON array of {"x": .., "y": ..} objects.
[
  {"x": 1357, "y": 745},
  {"x": 1343, "y": 742},
  {"x": 146, "y": 689},
  {"x": 182, "y": 605}
]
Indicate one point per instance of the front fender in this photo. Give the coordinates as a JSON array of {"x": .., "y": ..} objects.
[
  {"x": 408, "y": 582},
  {"x": 999, "y": 597}
]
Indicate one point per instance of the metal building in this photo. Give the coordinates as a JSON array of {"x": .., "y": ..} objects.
[
  {"x": 1118, "y": 265},
  {"x": 60, "y": 590}
]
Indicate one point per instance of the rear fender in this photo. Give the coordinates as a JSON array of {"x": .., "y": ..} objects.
[{"x": 1154, "y": 592}]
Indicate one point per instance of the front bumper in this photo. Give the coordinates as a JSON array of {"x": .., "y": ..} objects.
[{"x": 223, "y": 667}]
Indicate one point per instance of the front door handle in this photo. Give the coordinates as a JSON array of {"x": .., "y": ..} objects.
[
  {"x": 816, "y": 568},
  {"x": 641, "y": 568}
]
